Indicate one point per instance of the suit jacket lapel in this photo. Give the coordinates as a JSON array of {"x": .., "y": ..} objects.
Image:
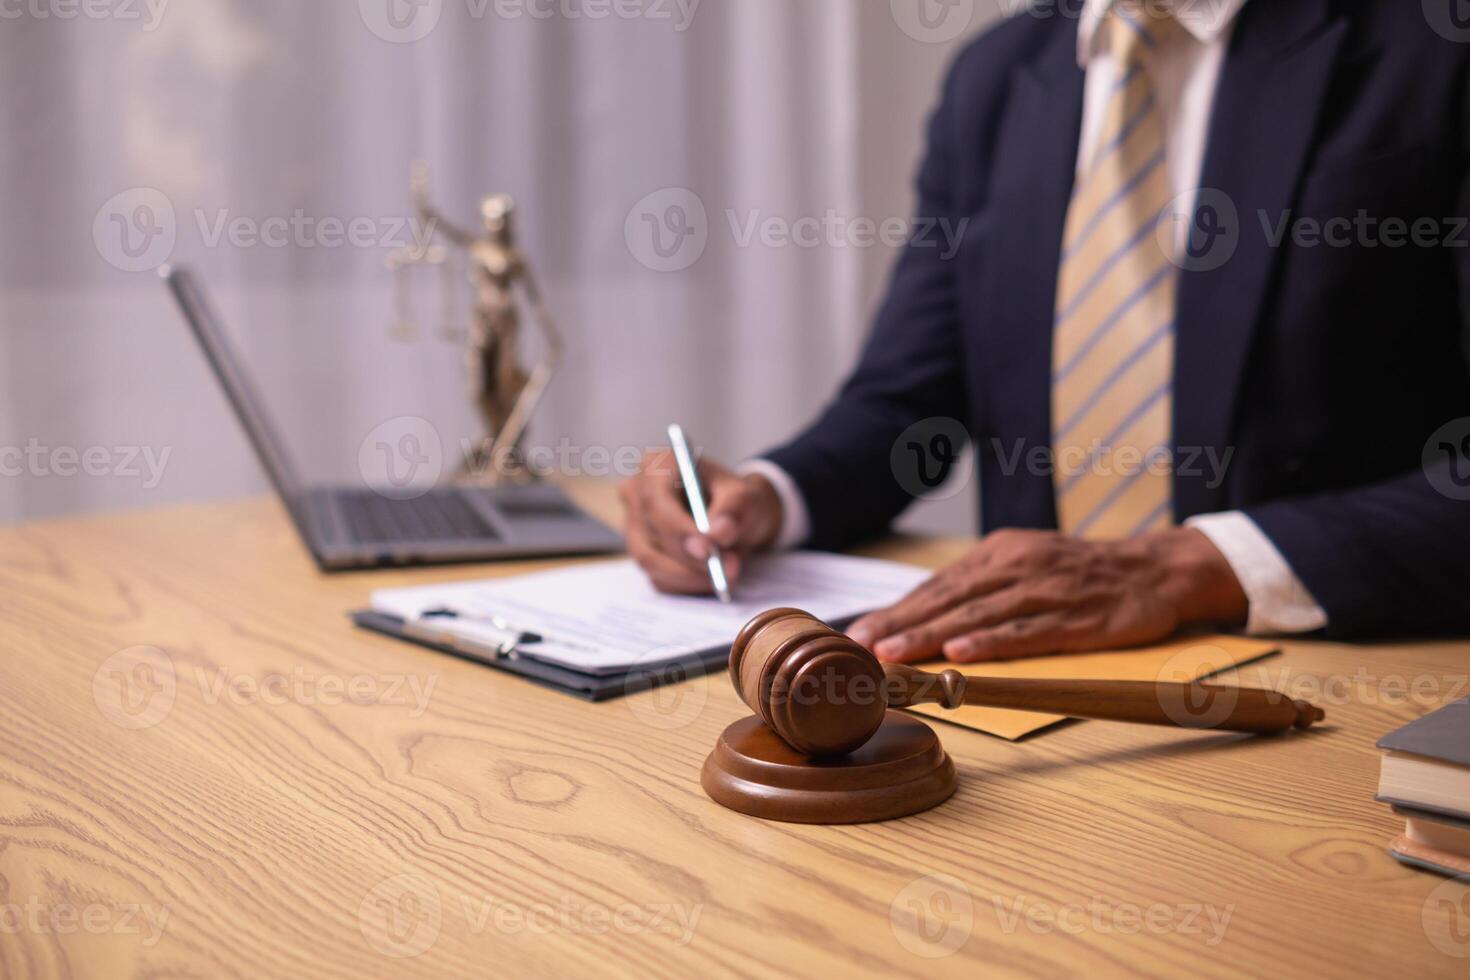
[
  {"x": 1265, "y": 119},
  {"x": 1032, "y": 183}
]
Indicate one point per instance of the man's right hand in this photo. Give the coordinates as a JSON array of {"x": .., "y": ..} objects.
[{"x": 744, "y": 511}]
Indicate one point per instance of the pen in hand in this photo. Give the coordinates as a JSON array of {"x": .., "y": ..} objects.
[{"x": 689, "y": 478}]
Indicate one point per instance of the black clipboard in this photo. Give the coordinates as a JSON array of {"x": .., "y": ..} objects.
[{"x": 590, "y": 687}]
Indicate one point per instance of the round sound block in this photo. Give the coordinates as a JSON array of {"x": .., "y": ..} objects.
[{"x": 901, "y": 770}]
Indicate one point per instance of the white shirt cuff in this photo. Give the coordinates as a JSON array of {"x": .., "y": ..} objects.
[
  {"x": 796, "y": 525},
  {"x": 1279, "y": 603}
]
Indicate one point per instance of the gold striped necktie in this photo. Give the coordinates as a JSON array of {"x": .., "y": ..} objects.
[{"x": 1113, "y": 337}]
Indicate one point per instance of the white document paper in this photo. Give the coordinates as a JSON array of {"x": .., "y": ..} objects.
[{"x": 606, "y": 618}]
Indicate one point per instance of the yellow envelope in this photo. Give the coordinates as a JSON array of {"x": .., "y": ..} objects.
[{"x": 1185, "y": 659}]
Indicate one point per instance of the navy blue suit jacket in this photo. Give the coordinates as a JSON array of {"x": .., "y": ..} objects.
[{"x": 1323, "y": 369}]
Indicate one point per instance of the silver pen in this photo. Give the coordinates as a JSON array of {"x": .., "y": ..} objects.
[{"x": 689, "y": 477}]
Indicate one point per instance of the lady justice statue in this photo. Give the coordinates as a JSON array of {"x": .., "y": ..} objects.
[{"x": 505, "y": 393}]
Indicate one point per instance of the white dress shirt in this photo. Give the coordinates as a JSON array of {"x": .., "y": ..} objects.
[{"x": 1186, "y": 72}]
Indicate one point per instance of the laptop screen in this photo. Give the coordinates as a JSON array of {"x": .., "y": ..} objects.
[{"x": 243, "y": 396}]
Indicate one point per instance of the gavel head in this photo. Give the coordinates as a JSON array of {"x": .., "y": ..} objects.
[{"x": 816, "y": 688}]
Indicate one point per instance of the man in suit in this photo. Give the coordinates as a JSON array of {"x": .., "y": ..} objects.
[{"x": 1215, "y": 268}]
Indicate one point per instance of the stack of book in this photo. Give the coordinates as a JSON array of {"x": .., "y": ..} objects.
[{"x": 1426, "y": 777}]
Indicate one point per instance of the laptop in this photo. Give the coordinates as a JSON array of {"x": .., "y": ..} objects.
[{"x": 363, "y": 527}]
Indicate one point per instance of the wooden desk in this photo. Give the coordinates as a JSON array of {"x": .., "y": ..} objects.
[{"x": 512, "y": 831}]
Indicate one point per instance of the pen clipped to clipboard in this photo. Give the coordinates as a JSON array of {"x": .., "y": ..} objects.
[{"x": 473, "y": 634}]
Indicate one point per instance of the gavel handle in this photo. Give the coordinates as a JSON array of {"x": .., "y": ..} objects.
[{"x": 1191, "y": 705}]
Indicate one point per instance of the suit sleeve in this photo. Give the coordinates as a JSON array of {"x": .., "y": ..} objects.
[
  {"x": 1389, "y": 558},
  {"x": 909, "y": 371},
  {"x": 1393, "y": 557}
]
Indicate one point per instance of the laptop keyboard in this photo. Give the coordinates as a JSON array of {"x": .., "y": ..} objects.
[{"x": 431, "y": 517}]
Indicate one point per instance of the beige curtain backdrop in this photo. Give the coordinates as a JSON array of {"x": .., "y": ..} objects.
[{"x": 700, "y": 187}]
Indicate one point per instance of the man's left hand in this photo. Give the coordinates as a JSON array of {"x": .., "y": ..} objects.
[{"x": 1023, "y": 593}]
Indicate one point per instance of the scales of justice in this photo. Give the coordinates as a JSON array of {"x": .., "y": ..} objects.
[{"x": 505, "y": 393}]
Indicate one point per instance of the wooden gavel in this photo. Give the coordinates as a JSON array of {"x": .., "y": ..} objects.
[{"x": 825, "y": 695}]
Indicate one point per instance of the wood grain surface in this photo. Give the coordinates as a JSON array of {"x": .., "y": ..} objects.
[{"x": 206, "y": 771}]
